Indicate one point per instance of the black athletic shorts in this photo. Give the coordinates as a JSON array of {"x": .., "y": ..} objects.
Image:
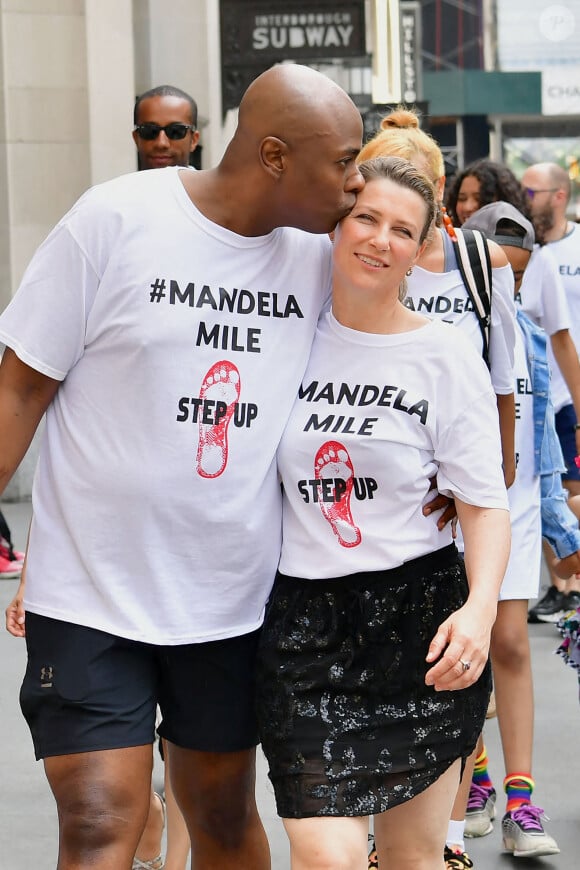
[
  {"x": 86, "y": 690},
  {"x": 566, "y": 430}
]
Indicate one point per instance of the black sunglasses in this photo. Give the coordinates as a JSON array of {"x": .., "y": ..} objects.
[{"x": 172, "y": 131}]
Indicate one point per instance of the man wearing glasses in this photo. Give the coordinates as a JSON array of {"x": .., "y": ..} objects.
[{"x": 165, "y": 133}]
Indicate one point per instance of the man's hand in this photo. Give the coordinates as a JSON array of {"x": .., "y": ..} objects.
[
  {"x": 441, "y": 503},
  {"x": 577, "y": 437},
  {"x": 566, "y": 567},
  {"x": 509, "y": 472}
]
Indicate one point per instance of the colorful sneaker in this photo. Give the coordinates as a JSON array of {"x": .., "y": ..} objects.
[
  {"x": 9, "y": 552},
  {"x": 549, "y": 608},
  {"x": 480, "y": 811},
  {"x": 9, "y": 570},
  {"x": 524, "y": 835},
  {"x": 373, "y": 857},
  {"x": 12, "y": 556},
  {"x": 570, "y": 602},
  {"x": 456, "y": 860}
]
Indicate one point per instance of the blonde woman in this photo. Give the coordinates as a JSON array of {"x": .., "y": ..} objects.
[{"x": 373, "y": 676}]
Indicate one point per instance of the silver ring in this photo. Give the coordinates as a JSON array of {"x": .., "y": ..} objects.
[{"x": 464, "y": 665}]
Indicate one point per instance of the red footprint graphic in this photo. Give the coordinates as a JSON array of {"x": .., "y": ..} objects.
[
  {"x": 332, "y": 461},
  {"x": 221, "y": 385}
]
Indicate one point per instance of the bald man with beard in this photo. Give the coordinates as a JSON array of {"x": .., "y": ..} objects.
[{"x": 164, "y": 327}]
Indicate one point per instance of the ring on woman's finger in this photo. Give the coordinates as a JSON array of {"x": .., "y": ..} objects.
[{"x": 464, "y": 665}]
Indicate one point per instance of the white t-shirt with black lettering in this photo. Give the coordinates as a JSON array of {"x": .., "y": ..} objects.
[
  {"x": 443, "y": 295},
  {"x": 376, "y": 417},
  {"x": 566, "y": 253},
  {"x": 522, "y": 576},
  {"x": 543, "y": 298},
  {"x": 180, "y": 346}
]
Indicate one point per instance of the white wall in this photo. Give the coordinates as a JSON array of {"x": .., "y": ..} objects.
[
  {"x": 66, "y": 95},
  {"x": 177, "y": 43}
]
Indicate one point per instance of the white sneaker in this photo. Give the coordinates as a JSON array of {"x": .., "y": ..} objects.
[
  {"x": 480, "y": 811},
  {"x": 524, "y": 835}
]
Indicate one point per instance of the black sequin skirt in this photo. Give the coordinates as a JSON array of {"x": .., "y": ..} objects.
[{"x": 347, "y": 723}]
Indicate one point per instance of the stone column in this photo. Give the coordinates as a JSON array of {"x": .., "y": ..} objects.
[{"x": 66, "y": 95}]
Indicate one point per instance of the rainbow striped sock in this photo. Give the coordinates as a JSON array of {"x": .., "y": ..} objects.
[
  {"x": 480, "y": 773},
  {"x": 518, "y": 788}
]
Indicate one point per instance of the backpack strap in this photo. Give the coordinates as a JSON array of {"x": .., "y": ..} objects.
[{"x": 474, "y": 262}]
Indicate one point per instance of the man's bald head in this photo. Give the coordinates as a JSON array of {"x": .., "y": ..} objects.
[
  {"x": 554, "y": 176},
  {"x": 289, "y": 100},
  {"x": 297, "y": 138},
  {"x": 548, "y": 188}
]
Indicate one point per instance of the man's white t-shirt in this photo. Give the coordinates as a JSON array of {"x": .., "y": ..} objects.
[
  {"x": 376, "y": 417},
  {"x": 443, "y": 295},
  {"x": 566, "y": 253},
  {"x": 180, "y": 346},
  {"x": 543, "y": 298}
]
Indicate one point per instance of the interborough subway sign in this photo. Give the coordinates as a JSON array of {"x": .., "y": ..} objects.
[{"x": 267, "y": 32}]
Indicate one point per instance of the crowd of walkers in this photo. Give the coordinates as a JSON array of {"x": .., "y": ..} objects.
[{"x": 332, "y": 554}]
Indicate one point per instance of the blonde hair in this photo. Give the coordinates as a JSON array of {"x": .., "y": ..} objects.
[{"x": 401, "y": 136}]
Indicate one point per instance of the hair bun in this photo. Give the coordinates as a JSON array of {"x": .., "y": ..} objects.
[{"x": 400, "y": 118}]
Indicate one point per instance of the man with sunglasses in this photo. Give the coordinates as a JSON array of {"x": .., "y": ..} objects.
[
  {"x": 165, "y": 131},
  {"x": 164, "y": 327},
  {"x": 548, "y": 188}
]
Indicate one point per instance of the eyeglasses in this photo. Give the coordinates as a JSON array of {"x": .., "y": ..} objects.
[
  {"x": 531, "y": 192},
  {"x": 172, "y": 131}
]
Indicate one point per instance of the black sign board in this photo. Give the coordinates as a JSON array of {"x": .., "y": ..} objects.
[
  {"x": 256, "y": 34},
  {"x": 411, "y": 85}
]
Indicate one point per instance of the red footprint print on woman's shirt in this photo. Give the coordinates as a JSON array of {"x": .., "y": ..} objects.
[{"x": 332, "y": 461}]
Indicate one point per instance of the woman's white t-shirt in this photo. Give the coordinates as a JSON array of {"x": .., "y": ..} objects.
[
  {"x": 376, "y": 417},
  {"x": 443, "y": 295}
]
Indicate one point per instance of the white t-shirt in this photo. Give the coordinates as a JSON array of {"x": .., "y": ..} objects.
[
  {"x": 376, "y": 417},
  {"x": 566, "y": 253},
  {"x": 543, "y": 298},
  {"x": 180, "y": 346},
  {"x": 443, "y": 295},
  {"x": 524, "y": 494}
]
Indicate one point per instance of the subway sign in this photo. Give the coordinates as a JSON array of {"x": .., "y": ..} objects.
[{"x": 264, "y": 33}]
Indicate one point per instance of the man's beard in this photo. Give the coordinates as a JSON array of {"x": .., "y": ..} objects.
[{"x": 543, "y": 222}]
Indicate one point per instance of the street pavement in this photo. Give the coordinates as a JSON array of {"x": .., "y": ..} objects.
[{"x": 28, "y": 830}]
